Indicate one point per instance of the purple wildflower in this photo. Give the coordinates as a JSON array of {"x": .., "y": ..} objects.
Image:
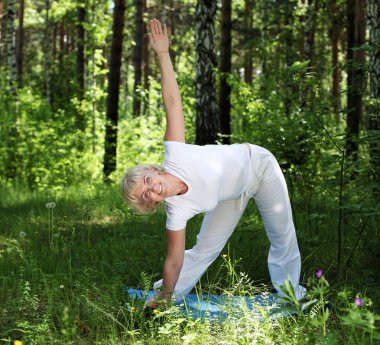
[
  {"x": 358, "y": 301},
  {"x": 319, "y": 273}
]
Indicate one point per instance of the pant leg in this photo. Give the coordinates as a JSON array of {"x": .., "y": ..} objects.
[
  {"x": 272, "y": 200},
  {"x": 217, "y": 227}
]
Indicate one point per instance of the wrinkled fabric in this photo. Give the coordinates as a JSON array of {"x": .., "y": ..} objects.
[{"x": 268, "y": 189}]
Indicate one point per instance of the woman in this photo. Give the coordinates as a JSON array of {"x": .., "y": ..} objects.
[{"x": 216, "y": 179}]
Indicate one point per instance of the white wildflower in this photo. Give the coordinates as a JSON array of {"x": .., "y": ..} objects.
[{"x": 22, "y": 234}]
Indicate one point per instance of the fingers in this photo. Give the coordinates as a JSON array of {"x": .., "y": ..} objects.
[
  {"x": 156, "y": 31},
  {"x": 156, "y": 27},
  {"x": 151, "y": 25},
  {"x": 165, "y": 30},
  {"x": 151, "y": 39},
  {"x": 159, "y": 27}
]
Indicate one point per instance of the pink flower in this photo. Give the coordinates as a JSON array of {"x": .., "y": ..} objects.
[
  {"x": 358, "y": 301},
  {"x": 319, "y": 273}
]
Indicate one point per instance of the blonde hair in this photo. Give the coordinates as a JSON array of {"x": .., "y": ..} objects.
[{"x": 130, "y": 182}]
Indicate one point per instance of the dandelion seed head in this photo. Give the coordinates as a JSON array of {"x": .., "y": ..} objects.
[
  {"x": 62, "y": 286},
  {"x": 22, "y": 234},
  {"x": 50, "y": 204}
]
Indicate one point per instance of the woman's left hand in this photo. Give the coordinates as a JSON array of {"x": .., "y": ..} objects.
[
  {"x": 158, "y": 301},
  {"x": 152, "y": 303}
]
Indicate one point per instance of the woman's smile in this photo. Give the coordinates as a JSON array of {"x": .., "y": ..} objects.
[{"x": 156, "y": 187}]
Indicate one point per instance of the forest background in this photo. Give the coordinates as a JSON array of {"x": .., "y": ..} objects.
[{"x": 80, "y": 102}]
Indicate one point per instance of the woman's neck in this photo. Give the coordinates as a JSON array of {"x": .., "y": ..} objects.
[{"x": 178, "y": 187}]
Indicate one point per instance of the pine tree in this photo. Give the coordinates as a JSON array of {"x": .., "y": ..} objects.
[
  {"x": 138, "y": 55},
  {"x": 356, "y": 26},
  {"x": 20, "y": 44},
  {"x": 113, "y": 88},
  {"x": 225, "y": 69},
  {"x": 11, "y": 47}
]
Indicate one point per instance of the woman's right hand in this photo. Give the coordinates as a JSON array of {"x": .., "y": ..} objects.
[{"x": 158, "y": 37}]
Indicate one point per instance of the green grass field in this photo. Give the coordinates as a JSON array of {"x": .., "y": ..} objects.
[{"x": 63, "y": 269}]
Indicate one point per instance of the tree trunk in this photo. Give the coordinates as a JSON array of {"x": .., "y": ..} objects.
[
  {"x": 61, "y": 44},
  {"x": 55, "y": 32},
  {"x": 113, "y": 88},
  {"x": 310, "y": 27},
  {"x": 289, "y": 56},
  {"x": 20, "y": 44},
  {"x": 93, "y": 78},
  {"x": 248, "y": 69},
  {"x": 335, "y": 31},
  {"x": 1, "y": 31},
  {"x": 207, "y": 119},
  {"x": 356, "y": 26},
  {"x": 225, "y": 69},
  {"x": 146, "y": 67},
  {"x": 138, "y": 55},
  {"x": 373, "y": 11},
  {"x": 264, "y": 34},
  {"x": 47, "y": 53},
  {"x": 81, "y": 17},
  {"x": 12, "y": 135},
  {"x": 302, "y": 34},
  {"x": 172, "y": 26},
  {"x": 11, "y": 47}
]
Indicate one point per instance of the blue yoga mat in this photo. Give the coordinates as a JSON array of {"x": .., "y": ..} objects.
[{"x": 220, "y": 307}]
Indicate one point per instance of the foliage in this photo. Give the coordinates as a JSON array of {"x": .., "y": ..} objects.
[
  {"x": 63, "y": 270},
  {"x": 74, "y": 291}
]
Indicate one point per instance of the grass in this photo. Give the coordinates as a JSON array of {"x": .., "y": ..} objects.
[{"x": 63, "y": 270}]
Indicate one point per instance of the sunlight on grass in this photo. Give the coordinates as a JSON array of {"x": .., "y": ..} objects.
[{"x": 63, "y": 279}]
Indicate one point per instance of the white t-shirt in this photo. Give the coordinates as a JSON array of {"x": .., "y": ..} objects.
[{"x": 212, "y": 173}]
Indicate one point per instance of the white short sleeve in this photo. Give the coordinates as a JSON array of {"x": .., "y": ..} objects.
[
  {"x": 176, "y": 217},
  {"x": 175, "y": 152}
]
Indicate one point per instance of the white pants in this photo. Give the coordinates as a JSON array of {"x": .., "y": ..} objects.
[{"x": 268, "y": 189}]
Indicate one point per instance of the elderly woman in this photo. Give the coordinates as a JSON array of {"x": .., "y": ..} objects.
[{"x": 216, "y": 179}]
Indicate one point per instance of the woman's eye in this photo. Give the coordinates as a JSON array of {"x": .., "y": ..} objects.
[{"x": 148, "y": 180}]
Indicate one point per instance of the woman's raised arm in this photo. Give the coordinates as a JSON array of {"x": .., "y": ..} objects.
[{"x": 175, "y": 123}]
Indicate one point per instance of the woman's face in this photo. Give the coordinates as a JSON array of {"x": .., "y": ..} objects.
[{"x": 153, "y": 187}]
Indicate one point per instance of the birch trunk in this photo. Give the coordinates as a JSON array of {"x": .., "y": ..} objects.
[
  {"x": 207, "y": 119},
  {"x": 373, "y": 11}
]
